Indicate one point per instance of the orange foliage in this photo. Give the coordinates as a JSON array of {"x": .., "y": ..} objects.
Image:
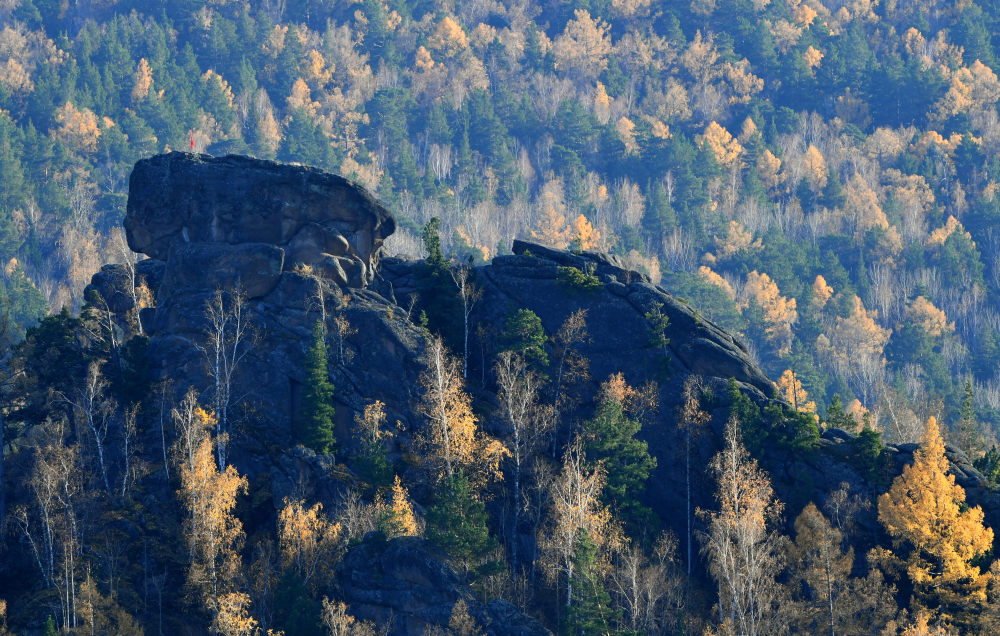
[
  {"x": 821, "y": 292},
  {"x": 935, "y": 534},
  {"x": 790, "y": 389},
  {"x": 726, "y": 150},
  {"x": 779, "y": 312},
  {"x": 933, "y": 320},
  {"x": 77, "y": 129}
]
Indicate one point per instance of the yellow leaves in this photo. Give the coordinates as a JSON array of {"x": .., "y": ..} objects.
[
  {"x": 551, "y": 226},
  {"x": 369, "y": 427},
  {"x": 812, "y": 56},
  {"x": 722, "y": 144},
  {"x": 316, "y": 69},
  {"x": 626, "y": 132},
  {"x": 308, "y": 541},
  {"x": 861, "y": 206},
  {"x": 15, "y": 78},
  {"x": 339, "y": 623},
  {"x": 77, "y": 129},
  {"x": 142, "y": 80},
  {"x": 933, "y": 320},
  {"x": 940, "y": 235},
  {"x": 301, "y": 97},
  {"x": 779, "y": 312},
  {"x": 736, "y": 240},
  {"x": 275, "y": 42},
  {"x": 924, "y": 512},
  {"x": 971, "y": 89},
  {"x": 453, "y": 439},
  {"x": 744, "y": 84},
  {"x": 368, "y": 175},
  {"x": 402, "y": 510},
  {"x": 804, "y": 14},
  {"x": 747, "y": 130},
  {"x": 715, "y": 279},
  {"x": 583, "y": 46},
  {"x": 790, "y": 389},
  {"x": 232, "y": 616},
  {"x": 211, "y": 76},
  {"x": 700, "y": 56},
  {"x": 821, "y": 292},
  {"x": 585, "y": 235},
  {"x": 448, "y": 37},
  {"x": 767, "y": 168},
  {"x": 460, "y": 622},
  {"x": 602, "y": 104},
  {"x": 423, "y": 61},
  {"x": 859, "y": 333},
  {"x": 815, "y": 166}
]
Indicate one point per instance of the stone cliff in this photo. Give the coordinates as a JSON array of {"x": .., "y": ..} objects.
[{"x": 217, "y": 223}]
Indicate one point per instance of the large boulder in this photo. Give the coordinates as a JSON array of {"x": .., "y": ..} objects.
[{"x": 317, "y": 218}]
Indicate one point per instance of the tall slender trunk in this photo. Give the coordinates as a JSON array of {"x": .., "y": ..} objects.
[{"x": 687, "y": 481}]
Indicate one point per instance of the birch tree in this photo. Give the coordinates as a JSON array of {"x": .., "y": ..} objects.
[
  {"x": 229, "y": 337},
  {"x": 525, "y": 418},
  {"x": 743, "y": 549}
]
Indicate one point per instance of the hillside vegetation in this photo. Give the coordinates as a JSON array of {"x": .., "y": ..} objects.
[{"x": 819, "y": 177}]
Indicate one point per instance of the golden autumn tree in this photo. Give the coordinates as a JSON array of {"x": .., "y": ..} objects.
[
  {"x": 142, "y": 81},
  {"x": 821, "y": 292},
  {"x": 404, "y": 521},
  {"x": 779, "y": 312},
  {"x": 933, "y": 320},
  {"x": 721, "y": 143},
  {"x": 583, "y": 46},
  {"x": 585, "y": 234},
  {"x": 309, "y": 541},
  {"x": 452, "y": 439},
  {"x": 743, "y": 548},
  {"x": 856, "y": 348},
  {"x": 790, "y": 389},
  {"x": 338, "y": 622},
  {"x": 213, "y": 532},
  {"x": 936, "y": 536}
]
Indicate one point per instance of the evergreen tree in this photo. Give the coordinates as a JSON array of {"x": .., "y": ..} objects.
[
  {"x": 836, "y": 417},
  {"x": 456, "y": 522},
  {"x": 590, "y": 612},
  {"x": 523, "y": 333},
  {"x": 611, "y": 437},
  {"x": 315, "y": 424}
]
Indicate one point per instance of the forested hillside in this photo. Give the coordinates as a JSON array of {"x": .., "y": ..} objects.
[{"x": 818, "y": 177}]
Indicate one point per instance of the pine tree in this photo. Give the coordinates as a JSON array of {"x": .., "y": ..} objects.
[
  {"x": 523, "y": 333},
  {"x": 315, "y": 425},
  {"x": 590, "y": 612},
  {"x": 611, "y": 438},
  {"x": 936, "y": 536},
  {"x": 456, "y": 522}
]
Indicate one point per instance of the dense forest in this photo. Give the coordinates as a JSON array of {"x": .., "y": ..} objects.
[{"x": 818, "y": 177}]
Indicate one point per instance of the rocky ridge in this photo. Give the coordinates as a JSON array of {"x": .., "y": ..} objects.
[{"x": 212, "y": 223}]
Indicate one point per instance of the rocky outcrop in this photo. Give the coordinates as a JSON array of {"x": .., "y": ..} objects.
[
  {"x": 403, "y": 585},
  {"x": 275, "y": 214}
]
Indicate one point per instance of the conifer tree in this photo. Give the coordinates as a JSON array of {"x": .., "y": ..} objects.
[
  {"x": 611, "y": 438},
  {"x": 590, "y": 612},
  {"x": 315, "y": 425},
  {"x": 523, "y": 333},
  {"x": 936, "y": 536},
  {"x": 456, "y": 522}
]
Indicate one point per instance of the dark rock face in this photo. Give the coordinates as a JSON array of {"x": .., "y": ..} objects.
[
  {"x": 178, "y": 200},
  {"x": 213, "y": 224},
  {"x": 403, "y": 584}
]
